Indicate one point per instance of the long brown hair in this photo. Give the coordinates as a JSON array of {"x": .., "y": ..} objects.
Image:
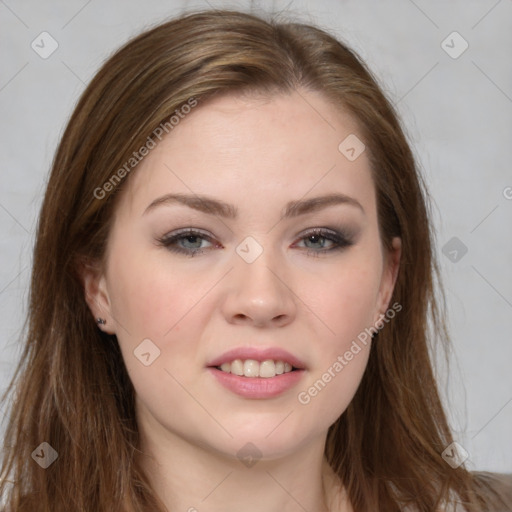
[{"x": 71, "y": 388}]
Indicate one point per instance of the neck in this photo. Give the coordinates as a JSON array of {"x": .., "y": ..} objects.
[{"x": 192, "y": 478}]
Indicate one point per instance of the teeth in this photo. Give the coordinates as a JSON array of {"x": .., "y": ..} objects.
[
  {"x": 253, "y": 368},
  {"x": 267, "y": 369},
  {"x": 237, "y": 367}
]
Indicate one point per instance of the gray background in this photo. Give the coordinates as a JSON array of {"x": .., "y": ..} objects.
[{"x": 457, "y": 113}]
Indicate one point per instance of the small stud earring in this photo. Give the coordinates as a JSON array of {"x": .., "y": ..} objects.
[{"x": 101, "y": 321}]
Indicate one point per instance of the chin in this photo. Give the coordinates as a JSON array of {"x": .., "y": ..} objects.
[{"x": 271, "y": 437}]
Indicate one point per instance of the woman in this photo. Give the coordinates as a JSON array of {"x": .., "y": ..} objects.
[{"x": 232, "y": 280}]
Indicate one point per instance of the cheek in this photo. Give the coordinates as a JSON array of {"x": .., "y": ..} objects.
[
  {"x": 151, "y": 297},
  {"x": 346, "y": 305},
  {"x": 151, "y": 303},
  {"x": 329, "y": 391},
  {"x": 142, "y": 300},
  {"x": 345, "y": 300}
]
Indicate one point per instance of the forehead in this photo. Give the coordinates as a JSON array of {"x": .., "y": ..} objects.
[{"x": 252, "y": 150}]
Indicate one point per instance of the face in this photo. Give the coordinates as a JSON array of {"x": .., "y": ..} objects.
[{"x": 260, "y": 280}]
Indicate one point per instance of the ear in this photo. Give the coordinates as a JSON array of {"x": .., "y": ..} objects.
[
  {"x": 96, "y": 294},
  {"x": 389, "y": 276}
]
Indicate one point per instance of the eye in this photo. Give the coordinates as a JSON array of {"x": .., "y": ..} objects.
[
  {"x": 192, "y": 241},
  {"x": 336, "y": 240},
  {"x": 189, "y": 241}
]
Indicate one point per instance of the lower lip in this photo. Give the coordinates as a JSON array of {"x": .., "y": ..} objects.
[{"x": 257, "y": 387}]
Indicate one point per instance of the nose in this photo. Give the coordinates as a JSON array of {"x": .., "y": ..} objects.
[{"x": 260, "y": 293}]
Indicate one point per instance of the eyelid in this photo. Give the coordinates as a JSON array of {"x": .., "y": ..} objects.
[
  {"x": 346, "y": 233},
  {"x": 184, "y": 231},
  {"x": 325, "y": 230}
]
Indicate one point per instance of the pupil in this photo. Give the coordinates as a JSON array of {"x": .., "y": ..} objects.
[
  {"x": 191, "y": 238},
  {"x": 314, "y": 238}
]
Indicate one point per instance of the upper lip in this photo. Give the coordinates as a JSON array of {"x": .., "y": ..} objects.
[{"x": 257, "y": 354}]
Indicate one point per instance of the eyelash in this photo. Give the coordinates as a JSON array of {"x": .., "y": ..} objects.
[{"x": 340, "y": 240}]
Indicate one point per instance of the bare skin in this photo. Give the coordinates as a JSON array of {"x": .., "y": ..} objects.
[{"x": 299, "y": 294}]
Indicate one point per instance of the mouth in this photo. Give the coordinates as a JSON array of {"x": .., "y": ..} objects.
[
  {"x": 252, "y": 368},
  {"x": 257, "y": 372}
]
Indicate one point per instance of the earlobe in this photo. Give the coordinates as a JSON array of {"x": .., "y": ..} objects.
[{"x": 97, "y": 297}]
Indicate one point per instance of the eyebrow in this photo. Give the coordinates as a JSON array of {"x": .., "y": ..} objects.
[{"x": 216, "y": 207}]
